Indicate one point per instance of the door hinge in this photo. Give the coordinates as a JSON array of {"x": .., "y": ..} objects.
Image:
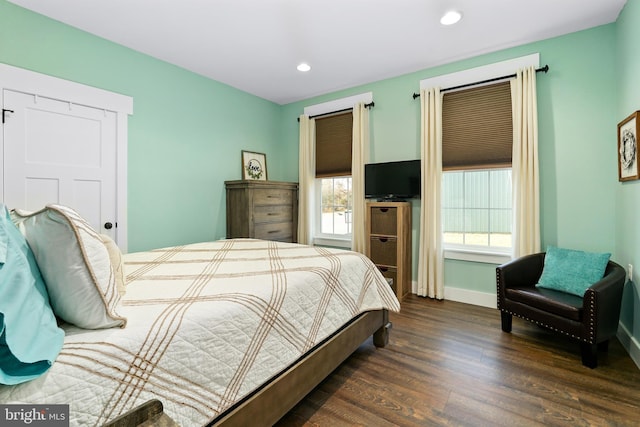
[{"x": 4, "y": 112}]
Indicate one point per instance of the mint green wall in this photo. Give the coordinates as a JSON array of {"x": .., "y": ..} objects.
[
  {"x": 628, "y": 193},
  {"x": 576, "y": 105},
  {"x": 185, "y": 135}
]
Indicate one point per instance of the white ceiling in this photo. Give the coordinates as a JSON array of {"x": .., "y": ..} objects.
[{"x": 255, "y": 45}]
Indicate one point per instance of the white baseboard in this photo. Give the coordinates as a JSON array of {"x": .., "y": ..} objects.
[
  {"x": 466, "y": 296},
  {"x": 629, "y": 343}
]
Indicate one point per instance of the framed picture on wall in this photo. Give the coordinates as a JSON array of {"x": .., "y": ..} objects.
[
  {"x": 628, "y": 131},
  {"x": 254, "y": 166}
]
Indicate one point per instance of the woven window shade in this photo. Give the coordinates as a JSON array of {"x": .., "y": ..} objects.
[
  {"x": 477, "y": 128},
  {"x": 334, "y": 136}
]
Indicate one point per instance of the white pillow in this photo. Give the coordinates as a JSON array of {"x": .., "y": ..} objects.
[
  {"x": 18, "y": 215},
  {"x": 75, "y": 265},
  {"x": 116, "y": 263}
]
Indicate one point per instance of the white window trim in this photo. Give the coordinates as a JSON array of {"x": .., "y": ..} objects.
[
  {"x": 338, "y": 104},
  {"x": 484, "y": 72},
  {"x": 484, "y": 255},
  {"x": 329, "y": 240},
  {"x": 469, "y": 253}
]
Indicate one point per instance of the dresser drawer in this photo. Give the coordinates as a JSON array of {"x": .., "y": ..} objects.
[
  {"x": 390, "y": 273},
  {"x": 282, "y": 231},
  {"x": 272, "y": 196},
  {"x": 384, "y": 251},
  {"x": 272, "y": 213},
  {"x": 384, "y": 221}
]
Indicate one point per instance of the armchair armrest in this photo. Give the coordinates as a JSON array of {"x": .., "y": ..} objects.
[
  {"x": 521, "y": 272},
  {"x": 602, "y": 302}
]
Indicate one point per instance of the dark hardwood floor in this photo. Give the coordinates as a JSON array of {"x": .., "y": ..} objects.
[{"x": 449, "y": 363}]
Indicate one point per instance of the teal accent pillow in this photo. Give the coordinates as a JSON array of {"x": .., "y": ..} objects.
[
  {"x": 572, "y": 271},
  {"x": 30, "y": 339}
]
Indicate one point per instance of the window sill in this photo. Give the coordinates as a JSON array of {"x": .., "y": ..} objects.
[
  {"x": 474, "y": 255},
  {"x": 334, "y": 242}
]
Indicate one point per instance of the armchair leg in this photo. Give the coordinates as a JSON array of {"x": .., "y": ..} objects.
[
  {"x": 589, "y": 354},
  {"x": 506, "y": 321}
]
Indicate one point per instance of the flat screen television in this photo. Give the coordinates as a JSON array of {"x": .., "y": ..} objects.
[{"x": 392, "y": 180}]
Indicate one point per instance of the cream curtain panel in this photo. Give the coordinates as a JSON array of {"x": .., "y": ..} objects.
[
  {"x": 360, "y": 156},
  {"x": 526, "y": 186},
  {"x": 430, "y": 255},
  {"x": 306, "y": 179}
]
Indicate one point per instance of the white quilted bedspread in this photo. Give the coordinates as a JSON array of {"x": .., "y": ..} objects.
[{"x": 207, "y": 323}]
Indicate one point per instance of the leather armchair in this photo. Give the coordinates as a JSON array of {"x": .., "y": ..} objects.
[{"x": 592, "y": 320}]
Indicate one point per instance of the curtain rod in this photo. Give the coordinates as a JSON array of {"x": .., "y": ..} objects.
[
  {"x": 543, "y": 69},
  {"x": 369, "y": 105}
]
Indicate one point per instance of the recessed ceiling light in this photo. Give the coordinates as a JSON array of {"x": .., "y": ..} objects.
[
  {"x": 304, "y": 67},
  {"x": 451, "y": 17}
]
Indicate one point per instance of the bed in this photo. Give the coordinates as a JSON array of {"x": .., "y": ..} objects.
[{"x": 222, "y": 333}]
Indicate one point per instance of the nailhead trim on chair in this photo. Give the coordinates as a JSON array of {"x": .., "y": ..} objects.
[
  {"x": 592, "y": 326},
  {"x": 550, "y": 327}
]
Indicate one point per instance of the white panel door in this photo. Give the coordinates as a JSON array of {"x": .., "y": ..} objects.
[{"x": 60, "y": 152}]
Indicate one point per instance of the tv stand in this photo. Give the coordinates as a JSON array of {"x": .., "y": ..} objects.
[{"x": 388, "y": 228}]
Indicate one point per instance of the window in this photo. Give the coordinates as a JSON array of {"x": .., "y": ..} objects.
[
  {"x": 476, "y": 209},
  {"x": 333, "y": 179},
  {"x": 336, "y": 207},
  {"x": 477, "y": 135}
]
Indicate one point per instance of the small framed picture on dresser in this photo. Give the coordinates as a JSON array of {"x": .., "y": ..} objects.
[{"x": 254, "y": 165}]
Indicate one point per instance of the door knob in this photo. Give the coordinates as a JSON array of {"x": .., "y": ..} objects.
[{"x": 108, "y": 225}]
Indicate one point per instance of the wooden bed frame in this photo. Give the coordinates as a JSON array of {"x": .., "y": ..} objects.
[{"x": 278, "y": 397}]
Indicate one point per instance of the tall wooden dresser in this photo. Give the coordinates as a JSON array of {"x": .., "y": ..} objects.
[
  {"x": 388, "y": 228},
  {"x": 262, "y": 210}
]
